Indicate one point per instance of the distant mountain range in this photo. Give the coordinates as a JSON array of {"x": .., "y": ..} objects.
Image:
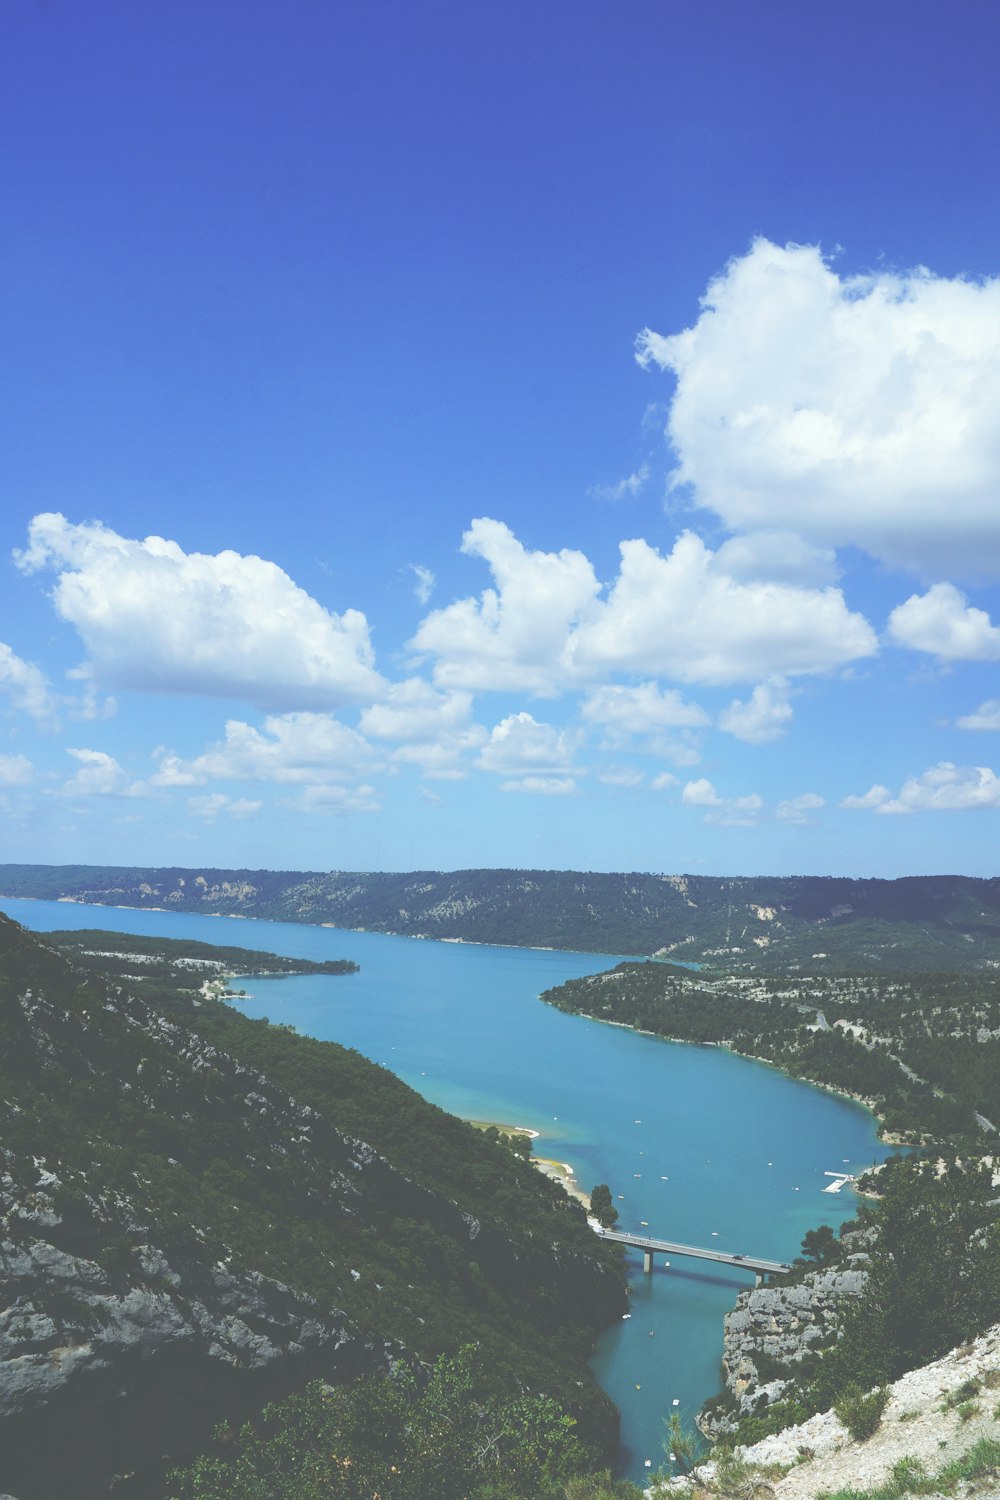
[{"x": 753, "y": 924}]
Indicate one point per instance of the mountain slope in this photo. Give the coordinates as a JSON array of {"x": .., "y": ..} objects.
[{"x": 182, "y": 1236}]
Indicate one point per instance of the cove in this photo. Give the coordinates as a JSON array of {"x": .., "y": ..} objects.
[{"x": 705, "y": 1147}]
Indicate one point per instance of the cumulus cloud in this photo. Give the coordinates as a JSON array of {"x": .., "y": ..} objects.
[
  {"x": 765, "y": 716},
  {"x": 797, "y": 809},
  {"x": 943, "y": 788},
  {"x": 26, "y": 685},
  {"x": 291, "y": 748},
  {"x": 663, "y": 780},
  {"x": 728, "y": 812},
  {"x": 986, "y": 716},
  {"x": 520, "y": 746},
  {"x": 875, "y": 797},
  {"x": 856, "y": 409},
  {"x": 645, "y": 709},
  {"x": 433, "y": 727},
  {"x": 157, "y": 619},
  {"x": 680, "y": 616},
  {"x": 16, "y": 770},
  {"x": 516, "y": 635},
  {"x": 943, "y": 623},
  {"x": 413, "y": 710},
  {"x": 544, "y": 627},
  {"x": 100, "y": 775}
]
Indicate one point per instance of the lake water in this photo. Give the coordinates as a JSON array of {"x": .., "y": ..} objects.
[{"x": 705, "y": 1147}]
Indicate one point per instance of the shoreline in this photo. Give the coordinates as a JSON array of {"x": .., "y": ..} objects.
[
  {"x": 888, "y": 1138},
  {"x": 415, "y": 937},
  {"x": 561, "y": 1172}
]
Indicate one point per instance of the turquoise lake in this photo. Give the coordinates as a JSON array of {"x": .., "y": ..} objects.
[{"x": 705, "y": 1147}]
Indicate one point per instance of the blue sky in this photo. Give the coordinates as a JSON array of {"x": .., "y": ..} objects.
[{"x": 502, "y": 434}]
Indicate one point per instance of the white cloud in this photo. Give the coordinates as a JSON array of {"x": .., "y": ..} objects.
[
  {"x": 728, "y": 812},
  {"x": 243, "y": 807},
  {"x": 324, "y": 798},
  {"x": 208, "y": 806},
  {"x": 425, "y": 583},
  {"x": 944, "y": 623},
  {"x": 298, "y": 747},
  {"x": 446, "y": 759},
  {"x": 100, "y": 775},
  {"x": 662, "y": 781},
  {"x": 514, "y": 636},
  {"x": 849, "y": 410},
  {"x": 546, "y": 786},
  {"x": 645, "y": 709},
  {"x": 27, "y": 685},
  {"x": 16, "y": 770},
  {"x": 214, "y": 803},
  {"x": 622, "y": 489},
  {"x": 986, "y": 716},
  {"x": 876, "y": 796},
  {"x": 779, "y": 556},
  {"x": 797, "y": 809},
  {"x": 943, "y": 788},
  {"x": 156, "y": 619},
  {"x": 413, "y": 710},
  {"x": 700, "y": 793},
  {"x": 544, "y": 627},
  {"x": 680, "y": 617},
  {"x": 620, "y": 776},
  {"x": 519, "y": 745},
  {"x": 433, "y": 726},
  {"x": 764, "y": 717}
]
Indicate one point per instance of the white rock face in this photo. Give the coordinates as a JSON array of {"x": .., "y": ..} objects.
[{"x": 921, "y": 1421}]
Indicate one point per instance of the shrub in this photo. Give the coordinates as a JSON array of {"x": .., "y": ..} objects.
[{"x": 861, "y": 1412}]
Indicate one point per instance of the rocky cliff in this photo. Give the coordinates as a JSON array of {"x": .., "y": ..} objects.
[
  {"x": 939, "y": 1436},
  {"x": 773, "y": 1332}
]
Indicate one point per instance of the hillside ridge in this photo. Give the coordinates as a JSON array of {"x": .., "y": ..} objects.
[{"x": 737, "y": 924}]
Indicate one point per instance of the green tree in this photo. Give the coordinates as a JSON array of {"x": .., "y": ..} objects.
[
  {"x": 821, "y": 1245},
  {"x": 601, "y": 1206}
]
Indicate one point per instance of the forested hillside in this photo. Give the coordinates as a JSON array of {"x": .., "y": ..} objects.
[
  {"x": 924, "y": 1050},
  {"x": 763, "y": 925},
  {"x": 199, "y": 1212}
]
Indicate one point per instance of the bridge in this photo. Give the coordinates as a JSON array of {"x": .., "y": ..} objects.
[{"x": 651, "y": 1247}]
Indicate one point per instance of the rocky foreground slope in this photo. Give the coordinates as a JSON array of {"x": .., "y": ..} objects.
[{"x": 935, "y": 1416}]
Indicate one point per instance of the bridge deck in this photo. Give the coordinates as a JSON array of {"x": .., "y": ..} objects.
[{"x": 668, "y": 1247}]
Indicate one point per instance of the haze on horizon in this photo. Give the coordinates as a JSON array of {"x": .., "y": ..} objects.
[{"x": 501, "y": 436}]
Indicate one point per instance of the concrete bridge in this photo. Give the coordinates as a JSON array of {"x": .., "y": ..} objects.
[{"x": 651, "y": 1247}]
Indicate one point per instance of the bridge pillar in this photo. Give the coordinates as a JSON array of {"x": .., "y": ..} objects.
[
  {"x": 758, "y": 1279},
  {"x": 647, "y": 1261}
]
